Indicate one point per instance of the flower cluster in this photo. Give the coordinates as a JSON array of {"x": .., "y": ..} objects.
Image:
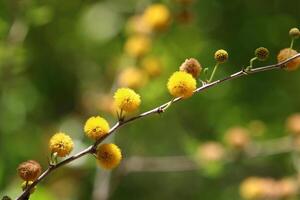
[
  {"x": 255, "y": 188},
  {"x": 181, "y": 84},
  {"x": 286, "y": 53}
]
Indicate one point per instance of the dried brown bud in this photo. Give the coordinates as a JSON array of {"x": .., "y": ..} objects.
[
  {"x": 29, "y": 170},
  {"x": 191, "y": 66}
]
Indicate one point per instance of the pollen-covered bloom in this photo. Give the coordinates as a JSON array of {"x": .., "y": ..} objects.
[
  {"x": 96, "y": 127},
  {"x": 157, "y": 16},
  {"x": 181, "y": 84},
  {"x": 108, "y": 156},
  {"x": 127, "y": 100},
  {"x": 61, "y": 144}
]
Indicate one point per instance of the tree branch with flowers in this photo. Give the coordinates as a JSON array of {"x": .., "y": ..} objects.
[{"x": 181, "y": 85}]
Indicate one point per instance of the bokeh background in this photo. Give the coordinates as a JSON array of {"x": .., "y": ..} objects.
[{"x": 60, "y": 61}]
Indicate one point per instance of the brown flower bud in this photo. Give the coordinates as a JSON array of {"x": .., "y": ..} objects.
[
  {"x": 191, "y": 66},
  {"x": 29, "y": 170}
]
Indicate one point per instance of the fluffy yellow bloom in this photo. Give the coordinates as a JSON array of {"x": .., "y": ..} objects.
[
  {"x": 127, "y": 100},
  {"x": 132, "y": 77},
  {"x": 137, "y": 45},
  {"x": 96, "y": 127},
  {"x": 157, "y": 16},
  {"x": 152, "y": 66},
  {"x": 181, "y": 84},
  {"x": 108, "y": 155},
  {"x": 61, "y": 144},
  {"x": 251, "y": 188}
]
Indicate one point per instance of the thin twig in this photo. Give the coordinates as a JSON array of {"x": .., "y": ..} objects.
[
  {"x": 92, "y": 149},
  {"x": 187, "y": 163}
]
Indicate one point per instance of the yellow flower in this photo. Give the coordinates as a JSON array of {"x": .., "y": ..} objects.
[
  {"x": 181, "y": 84},
  {"x": 61, "y": 144},
  {"x": 96, "y": 127},
  {"x": 251, "y": 188},
  {"x": 157, "y": 16},
  {"x": 127, "y": 100},
  {"x": 109, "y": 155},
  {"x": 132, "y": 77},
  {"x": 152, "y": 66},
  {"x": 137, "y": 45},
  {"x": 137, "y": 25}
]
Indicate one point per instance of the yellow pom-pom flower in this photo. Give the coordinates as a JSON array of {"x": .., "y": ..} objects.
[
  {"x": 157, "y": 16},
  {"x": 132, "y": 77},
  {"x": 152, "y": 66},
  {"x": 127, "y": 100},
  {"x": 181, "y": 84},
  {"x": 137, "y": 45},
  {"x": 108, "y": 156},
  {"x": 96, "y": 127},
  {"x": 61, "y": 144}
]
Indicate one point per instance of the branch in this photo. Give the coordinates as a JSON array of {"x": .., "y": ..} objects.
[
  {"x": 187, "y": 163},
  {"x": 92, "y": 149}
]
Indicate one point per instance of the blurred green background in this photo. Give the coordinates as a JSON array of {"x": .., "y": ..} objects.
[{"x": 58, "y": 57}]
